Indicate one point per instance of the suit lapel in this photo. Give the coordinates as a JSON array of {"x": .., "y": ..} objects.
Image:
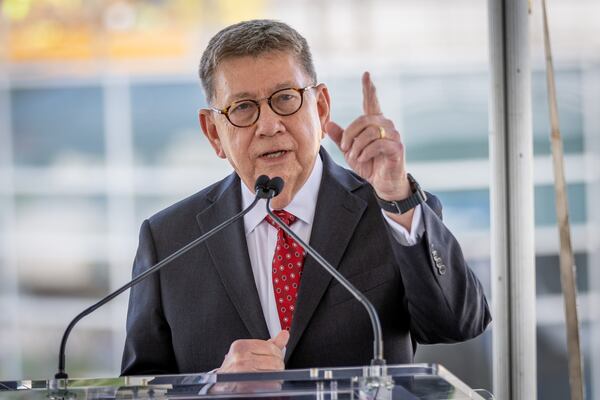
[
  {"x": 229, "y": 253},
  {"x": 337, "y": 214}
]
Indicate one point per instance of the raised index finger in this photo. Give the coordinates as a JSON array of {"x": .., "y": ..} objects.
[{"x": 370, "y": 101}]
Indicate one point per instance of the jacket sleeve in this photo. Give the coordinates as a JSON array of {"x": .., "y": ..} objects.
[
  {"x": 148, "y": 348},
  {"x": 444, "y": 298}
]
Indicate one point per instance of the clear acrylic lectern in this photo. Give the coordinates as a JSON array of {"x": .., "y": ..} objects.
[{"x": 405, "y": 382}]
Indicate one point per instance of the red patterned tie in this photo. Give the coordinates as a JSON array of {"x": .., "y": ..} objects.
[{"x": 288, "y": 262}]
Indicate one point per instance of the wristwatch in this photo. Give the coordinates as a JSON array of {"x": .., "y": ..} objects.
[{"x": 417, "y": 197}]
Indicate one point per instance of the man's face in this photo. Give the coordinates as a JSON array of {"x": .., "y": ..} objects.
[{"x": 275, "y": 145}]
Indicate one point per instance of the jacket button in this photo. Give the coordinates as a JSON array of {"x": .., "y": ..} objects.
[{"x": 441, "y": 269}]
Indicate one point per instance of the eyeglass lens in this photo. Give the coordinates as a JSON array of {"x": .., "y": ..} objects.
[{"x": 283, "y": 102}]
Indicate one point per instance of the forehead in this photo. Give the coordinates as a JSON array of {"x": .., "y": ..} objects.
[{"x": 257, "y": 76}]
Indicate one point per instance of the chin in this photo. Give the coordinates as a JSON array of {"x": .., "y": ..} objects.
[
  {"x": 281, "y": 201},
  {"x": 282, "y": 171}
]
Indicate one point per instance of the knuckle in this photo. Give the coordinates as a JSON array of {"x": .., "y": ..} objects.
[
  {"x": 234, "y": 359},
  {"x": 238, "y": 346},
  {"x": 356, "y": 144},
  {"x": 275, "y": 350},
  {"x": 364, "y": 121},
  {"x": 367, "y": 119}
]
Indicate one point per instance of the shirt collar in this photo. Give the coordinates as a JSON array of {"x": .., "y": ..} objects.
[{"x": 303, "y": 205}]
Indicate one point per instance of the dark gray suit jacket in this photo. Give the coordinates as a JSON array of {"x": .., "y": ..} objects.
[{"x": 183, "y": 319}]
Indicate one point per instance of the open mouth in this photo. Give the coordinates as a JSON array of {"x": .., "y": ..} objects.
[{"x": 274, "y": 154}]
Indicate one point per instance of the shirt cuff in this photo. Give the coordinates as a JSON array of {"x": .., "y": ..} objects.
[{"x": 401, "y": 234}]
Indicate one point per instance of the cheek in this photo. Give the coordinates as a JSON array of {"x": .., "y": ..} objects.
[
  {"x": 315, "y": 125},
  {"x": 310, "y": 146},
  {"x": 311, "y": 126},
  {"x": 316, "y": 133},
  {"x": 233, "y": 144}
]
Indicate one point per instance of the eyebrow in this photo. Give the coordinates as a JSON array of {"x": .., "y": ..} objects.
[{"x": 249, "y": 96}]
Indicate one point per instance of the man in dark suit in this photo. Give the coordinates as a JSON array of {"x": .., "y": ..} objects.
[{"x": 236, "y": 303}]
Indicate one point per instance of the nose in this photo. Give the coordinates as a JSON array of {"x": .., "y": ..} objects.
[{"x": 269, "y": 123}]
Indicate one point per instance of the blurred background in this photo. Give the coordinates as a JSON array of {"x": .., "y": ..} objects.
[{"x": 98, "y": 130}]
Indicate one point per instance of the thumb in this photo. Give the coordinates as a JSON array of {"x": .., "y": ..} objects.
[
  {"x": 335, "y": 132},
  {"x": 281, "y": 339}
]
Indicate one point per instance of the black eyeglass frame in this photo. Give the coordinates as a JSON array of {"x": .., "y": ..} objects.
[{"x": 225, "y": 111}]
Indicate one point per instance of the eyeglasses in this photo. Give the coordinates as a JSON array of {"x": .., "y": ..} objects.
[{"x": 245, "y": 113}]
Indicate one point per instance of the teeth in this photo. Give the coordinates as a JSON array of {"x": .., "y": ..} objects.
[{"x": 275, "y": 154}]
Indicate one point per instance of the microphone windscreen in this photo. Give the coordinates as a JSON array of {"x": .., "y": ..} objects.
[
  {"x": 261, "y": 183},
  {"x": 276, "y": 184}
]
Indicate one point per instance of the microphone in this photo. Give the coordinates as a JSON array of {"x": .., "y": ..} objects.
[
  {"x": 260, "y": 186},
  {"x": 269, "y": 188},
  {"x": 275, "y": 186},
  {"x": 262, "y": 190}
]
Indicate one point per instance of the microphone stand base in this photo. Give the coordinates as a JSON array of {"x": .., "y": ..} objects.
[
  {"x": 57, "y": 384},
  {"x": 57, "y": 390},
  {"x": 375, "y": 383}
]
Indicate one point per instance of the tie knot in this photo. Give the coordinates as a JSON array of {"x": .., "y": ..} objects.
[{"x": 285, "y": 216}]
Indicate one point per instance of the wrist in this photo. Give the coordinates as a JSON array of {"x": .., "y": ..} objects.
[
  {"x": 403, "y": 191},
  {"x": 405, "y": 203}
]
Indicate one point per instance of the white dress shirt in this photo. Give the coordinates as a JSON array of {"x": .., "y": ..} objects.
[{"x": 261, "y": 237}]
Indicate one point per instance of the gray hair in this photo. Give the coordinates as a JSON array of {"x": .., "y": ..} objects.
[{"x": 252, "y": 38}]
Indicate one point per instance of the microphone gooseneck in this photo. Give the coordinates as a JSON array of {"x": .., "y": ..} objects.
[
  {"x": 261, "y": 187},
  {"x": 275, "y": 186}
]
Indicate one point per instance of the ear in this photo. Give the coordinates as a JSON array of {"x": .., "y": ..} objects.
[
  {"x": 323, "y": 105},
  {"x": 209, "y": 128}
]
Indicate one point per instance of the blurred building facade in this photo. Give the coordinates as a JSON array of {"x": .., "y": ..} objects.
[{"x": 98, "y": 130}]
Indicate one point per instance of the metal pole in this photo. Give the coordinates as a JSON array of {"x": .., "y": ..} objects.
[{"x": 511, "y": 155}]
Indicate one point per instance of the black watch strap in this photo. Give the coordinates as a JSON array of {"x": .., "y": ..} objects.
[{"x": 417, "y": 197}]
